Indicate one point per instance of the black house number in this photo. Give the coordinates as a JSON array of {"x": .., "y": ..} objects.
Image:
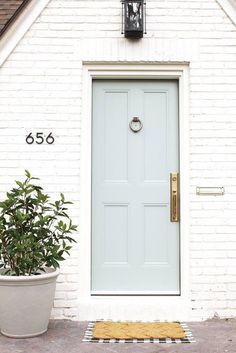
[{"x": 39, "y": 138}]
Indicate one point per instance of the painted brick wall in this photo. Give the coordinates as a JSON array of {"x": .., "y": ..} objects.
[{"x": 41, "y": 91}]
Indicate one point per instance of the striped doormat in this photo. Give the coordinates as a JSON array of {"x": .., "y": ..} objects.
[{"x": 108, "y": 331}]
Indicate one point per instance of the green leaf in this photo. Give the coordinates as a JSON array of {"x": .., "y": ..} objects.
[
  {"x": 27, "y": 173},
  {"x": 20, "y": 184}
]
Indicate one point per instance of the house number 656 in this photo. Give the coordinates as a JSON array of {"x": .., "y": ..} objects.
[{"x": 39, "y": 139}]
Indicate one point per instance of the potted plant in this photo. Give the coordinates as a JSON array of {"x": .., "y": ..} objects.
[{"x": 34, "y": 235}]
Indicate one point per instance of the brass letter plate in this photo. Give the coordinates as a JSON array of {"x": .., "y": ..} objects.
[{"x": 210, "y": 190}]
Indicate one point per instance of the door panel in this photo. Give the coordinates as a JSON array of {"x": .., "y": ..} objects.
[
  {"x": 155, "y": 243},
  {"x": 135, "y": 247},
  {"x": 115, "y": 234},
  {"x": 115, "y": 134},
  {"x": 155, "y": 135}
]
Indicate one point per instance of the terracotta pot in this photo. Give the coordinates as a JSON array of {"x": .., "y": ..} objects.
[{"x": 26, "y": 303}]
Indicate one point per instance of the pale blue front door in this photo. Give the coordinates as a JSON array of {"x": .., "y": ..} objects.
[{"x": 135, "y": 246}]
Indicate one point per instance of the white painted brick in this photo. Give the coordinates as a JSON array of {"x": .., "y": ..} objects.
[
  {"x": 74, "y": 295},
  {"x": 64, "y": 303},
  {"x": 70, "y": 313},
  {"x": 41, "y": 89},
  {"x": 57, "y": 313},
  {"x": 67, "y": 286},
  {"x": 60, "y": 295},
  {"x": 72, "y": 277}
]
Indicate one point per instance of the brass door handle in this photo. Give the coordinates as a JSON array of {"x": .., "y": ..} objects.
[{"x": 174, "y": 197}]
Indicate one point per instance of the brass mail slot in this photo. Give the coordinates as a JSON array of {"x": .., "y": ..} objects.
[
  {"x": 210, "y": 190},
  {"x": 174, "y": 197}
]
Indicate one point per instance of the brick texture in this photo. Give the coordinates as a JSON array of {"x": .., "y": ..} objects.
[{"x": 41, "y": 91}]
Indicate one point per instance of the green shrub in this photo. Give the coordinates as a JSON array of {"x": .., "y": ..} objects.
[{"x": 34, "y": 232}]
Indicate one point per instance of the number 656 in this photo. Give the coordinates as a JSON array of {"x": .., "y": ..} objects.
[{"x": 39, "y": 139}]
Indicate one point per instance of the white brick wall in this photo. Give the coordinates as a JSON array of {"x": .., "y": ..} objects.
[{"x": 41, "y": 91}]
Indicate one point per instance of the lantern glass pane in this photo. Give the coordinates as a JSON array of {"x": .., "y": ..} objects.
[{"x": 133, "y": 16}]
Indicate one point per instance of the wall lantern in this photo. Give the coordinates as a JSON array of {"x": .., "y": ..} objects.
[{"x": 133, "y": 18}]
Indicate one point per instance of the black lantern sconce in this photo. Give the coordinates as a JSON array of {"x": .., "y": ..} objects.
[{"x": 133, "y": 18}]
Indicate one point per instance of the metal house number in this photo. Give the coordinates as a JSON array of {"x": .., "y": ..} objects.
[{"x": 135, "y": 124}]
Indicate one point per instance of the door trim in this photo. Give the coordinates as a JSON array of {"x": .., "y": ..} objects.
[{"x": 92, "y": 71}]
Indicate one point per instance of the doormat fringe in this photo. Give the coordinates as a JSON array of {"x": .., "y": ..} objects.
[{"x": 88, "y": 337}]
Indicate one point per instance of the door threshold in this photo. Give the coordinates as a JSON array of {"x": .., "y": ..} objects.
[
  {"x": 134, "y": 308},
  {"x": 134, "y": 293}
]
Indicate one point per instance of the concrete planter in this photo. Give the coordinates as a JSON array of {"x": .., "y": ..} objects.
[{"x": 26, "y": 303}]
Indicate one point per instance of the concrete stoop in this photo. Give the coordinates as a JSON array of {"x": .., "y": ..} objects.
[{"x": 64, "y": 336}]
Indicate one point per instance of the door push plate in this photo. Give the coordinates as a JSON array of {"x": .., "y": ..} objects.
[{"x": 174, "y": 197}]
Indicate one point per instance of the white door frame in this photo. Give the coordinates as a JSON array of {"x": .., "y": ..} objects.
[{"x": 94, "y": 307}]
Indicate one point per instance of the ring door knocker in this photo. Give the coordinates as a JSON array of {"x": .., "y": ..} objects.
[{"x": 135, "y": 124}]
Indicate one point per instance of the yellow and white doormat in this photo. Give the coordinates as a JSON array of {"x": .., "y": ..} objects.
[{"x": 106, "y": 331}]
